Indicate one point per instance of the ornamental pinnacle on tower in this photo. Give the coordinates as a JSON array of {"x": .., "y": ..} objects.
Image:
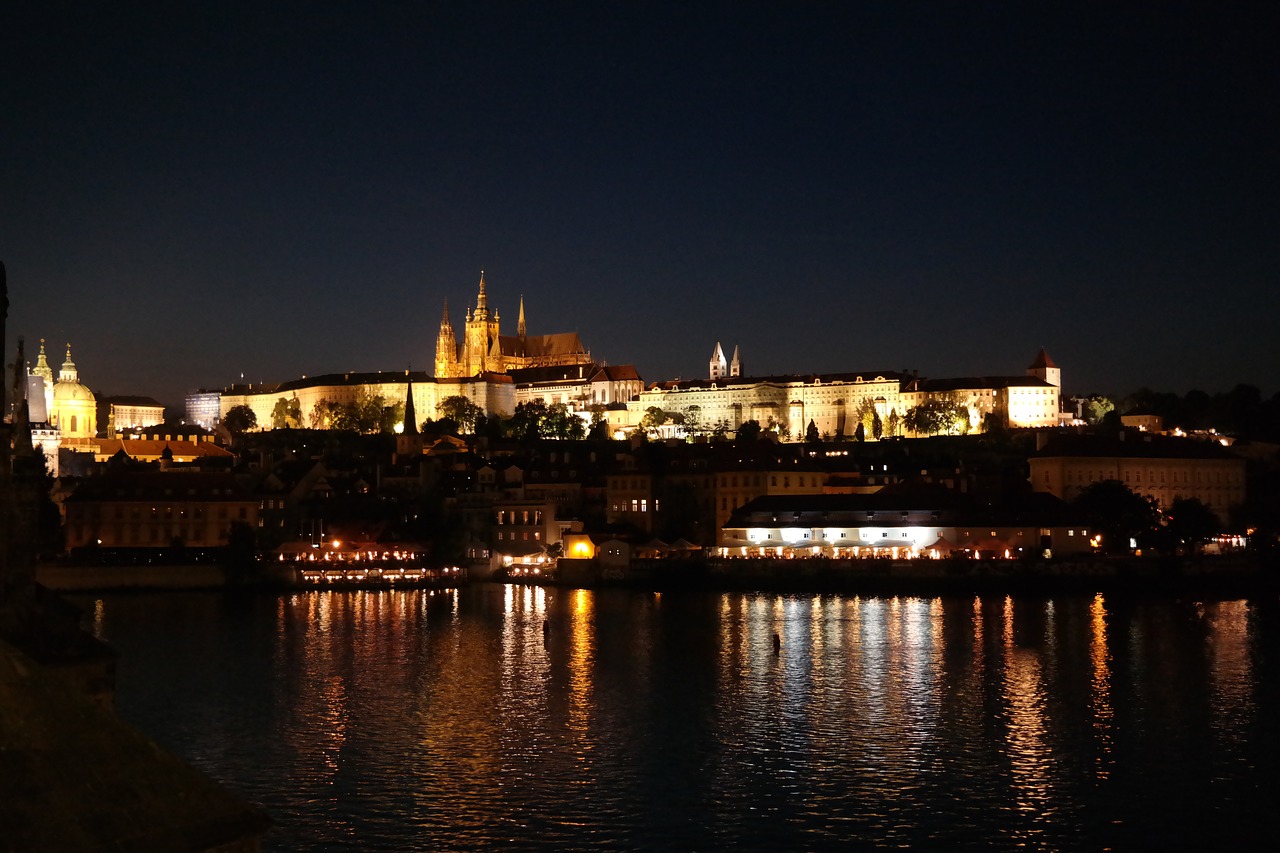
[{"x": 520, "y": 327}]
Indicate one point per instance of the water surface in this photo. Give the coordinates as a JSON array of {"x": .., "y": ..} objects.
[{"x": 530, "y": 718}]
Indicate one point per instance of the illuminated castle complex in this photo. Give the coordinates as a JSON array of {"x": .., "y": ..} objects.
[{"x": 484, "y": 349}]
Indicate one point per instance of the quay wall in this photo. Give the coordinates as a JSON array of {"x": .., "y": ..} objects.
[
  {"x": 1227, "y": 574},
  {"x": 63, "y": 578}
]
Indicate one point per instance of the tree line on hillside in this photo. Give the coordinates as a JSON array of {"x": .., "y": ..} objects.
[
  {"x": 456, "y": 415},
  {"x": 1242, "y": 411}
]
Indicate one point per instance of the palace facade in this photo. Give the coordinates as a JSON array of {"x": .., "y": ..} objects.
[{"x": 834, "y": 402}]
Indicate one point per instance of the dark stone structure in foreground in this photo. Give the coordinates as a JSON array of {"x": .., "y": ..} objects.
[{"x": 73, "y": 777}]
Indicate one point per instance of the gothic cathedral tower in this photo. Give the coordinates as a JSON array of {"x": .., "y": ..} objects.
[
  {"x": 480, "y": 349},
  {"x": 447, "y": 366}
]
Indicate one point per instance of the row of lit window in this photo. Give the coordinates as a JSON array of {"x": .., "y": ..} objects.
[
  {"x": 518, "y": 516},
  {"x": 524, "y": 535}
]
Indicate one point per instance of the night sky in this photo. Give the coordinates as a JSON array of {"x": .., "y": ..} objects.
[{"x": 189, "y": 192}]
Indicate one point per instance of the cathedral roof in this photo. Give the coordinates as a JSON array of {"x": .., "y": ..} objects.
[
  {"x": 560, "y": 344},
  {"x": 615, "y": 373}
]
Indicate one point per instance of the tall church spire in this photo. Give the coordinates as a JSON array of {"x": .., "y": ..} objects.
[
  {"x": 410, "y": 413},
  {"x": 735, "y": 364},
  {"x": 482, "y": 302},
  {"x": 719, "y": 367},
  {"x": 520, "y": 330}
]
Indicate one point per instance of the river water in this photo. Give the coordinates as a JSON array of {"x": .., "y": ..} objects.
[{"x": 545, "y": 718}]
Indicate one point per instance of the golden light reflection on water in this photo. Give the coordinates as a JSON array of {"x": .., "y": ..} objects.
[
  {"x": 1230, "y": 669},
  {"x": 914, "y": 722},
  {"x": 581, "y": 663},
  {"x": 1031, "y": 761},
  {"x": 1100, "y": 687}
]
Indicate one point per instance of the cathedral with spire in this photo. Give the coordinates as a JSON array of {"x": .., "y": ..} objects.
[{"x": 484, "y": 349}]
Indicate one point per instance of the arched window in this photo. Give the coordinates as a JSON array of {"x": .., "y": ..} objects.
[{"x": 73, "y": 424}]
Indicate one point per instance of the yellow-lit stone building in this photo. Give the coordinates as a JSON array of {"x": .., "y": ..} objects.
[
  {"x": 74, "y": 410},
  {"x": 494, "y": 371},
  {"x": 832, "y": 402},
  {"x": 493, "y": 393}
]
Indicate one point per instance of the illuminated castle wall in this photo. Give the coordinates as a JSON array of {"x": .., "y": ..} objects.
[{"x": 832, "y": 402}]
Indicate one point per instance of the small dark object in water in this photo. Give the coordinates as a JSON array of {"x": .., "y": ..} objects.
[{"x": 777, "y": 643}]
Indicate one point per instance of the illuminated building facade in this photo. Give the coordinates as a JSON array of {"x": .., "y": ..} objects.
[
  {"x": 74, "y": 410},
  {"x": 493, "y": 393},
  {"x": 1161, "y": 467},
  {"x": 833, "y": 402},
  {"x": 123, "y": 413},
  {"x": 901, "y": 526}
]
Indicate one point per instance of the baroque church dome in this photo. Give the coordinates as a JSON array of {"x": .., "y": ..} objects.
[
  {"x": 68, "y": 387},
  {"x": 74, "y": 410}
]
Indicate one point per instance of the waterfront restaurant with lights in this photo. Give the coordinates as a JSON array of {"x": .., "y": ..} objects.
[
  {"x": 341, "y": 562},
  {"x": 902, "y": 525}
]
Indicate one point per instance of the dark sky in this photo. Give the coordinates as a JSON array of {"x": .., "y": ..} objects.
[{"x": 189, "y": 192}]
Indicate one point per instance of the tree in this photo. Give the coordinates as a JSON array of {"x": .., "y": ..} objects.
[
  {"x": 691, "y": 421},
  {"x": 811, "y": 433},
  {"x": 1118, "y": 513},
  {"x": 894, "y": 424},
  {"x": 1096, "y": 408},
  {"x": 240, "y": 419},
  {"x": 369, "y": 412},
  {"x": 928, "y": 418},
  {"x": 867, "y": 416},
  {"x": 561, "y": 423},
  {"x": 860, "y": 434},
  {"x": 526, "y": 421},
  {"x": 461, "y": 411},
  {"x": 877, "y": 425},
  {"x": 653, "y": 419},
  {"x": 322, "y": 414},
  {"x": 287, "y": 414},
  {"x": 938, "y": 416},
  {"x": 391, "y": 416},
  {"x": 748, "y": 431},
  {"x": 1190, "y": 522}
]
